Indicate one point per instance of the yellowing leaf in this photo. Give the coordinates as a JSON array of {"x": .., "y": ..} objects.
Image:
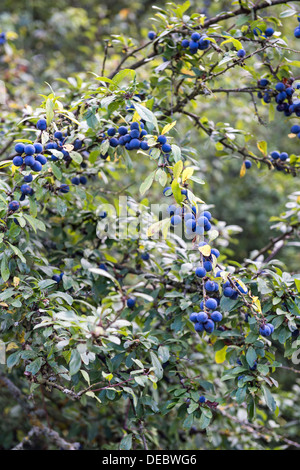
[
  {"x": 240, "y": 283},
  {"x": 168, "y": 127},
  {"x": 243, "y": 170},
  {"x": 16, "y": 281},
  {"x": 256, "y": 303},
  {"x": 12, "y": 346},
  {"x": 205, "y": 250},
  {"x": 157, "y": 226},
  {"x": 263, "y": 147},
  {"x": 220, "y": 355},
  {"x": 177, "y": 191},
  {"x": 177, "y": 169},
  {"x": 22, "y": 337},
  {"x": 187, "y": 173},
  {"x": 11, "y": 35},
  {"x": 135, "y": 117}
]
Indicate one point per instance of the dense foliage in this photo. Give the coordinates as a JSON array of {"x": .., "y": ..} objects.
[{"x": 131, "y": 314}]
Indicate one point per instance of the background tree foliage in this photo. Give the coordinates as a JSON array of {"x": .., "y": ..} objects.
[{"x": 82, "y": 367}]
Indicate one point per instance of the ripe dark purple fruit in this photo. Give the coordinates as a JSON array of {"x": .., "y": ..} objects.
[
  {"x": 144, "y": 145},
  {"x": 275, "y": 155},
  {"x": 122, "y": 130},
  {"x": 38, "y": 147},
  {"x": 269, "y": 32},
  {"x": 211, "y": 304},
  {"x": 284, "y": 156},
  {"x": 41, "y": 159},
  {"x": 75, "y": 180},
  {"x": 37, "y": 166},
  {"x": 207, "y": 265},
  {"x": 175, "y": 220},
  {"x": 162, "y": 139},
  {"x": 19, "y": 148},
  {"x": 241, "y": 53},
  {"x": 200, "y": 272},
  {"x": 193, "y": 317},
  {"x": 18, "y": 161},
  {"x": 166, "y": 148},
  {"x": 216, "y": 316},
  {"x": 64, "y": 188},
  {"x": 280, "y": 86},
  {"x": 28, "y": 178},
  {"x": 202, "y": 317},
  {"x": 114, "y": 142},
  {"x": 29, "y": 160},
  {"x": 295, "y": 129},
  {"x": 131, "y": 302},
  {"x": 209, "y": 326},
  {"x": 248, "y": 164},
  {"x": 41, "y": 125},
  {"x": 29, "y": 149},
  {"x": 58, "y": 135},
  {"x": 152, "y": 35},
  {"x": 134, "y": 144},
  {"x": 83, "y": 179},
  {"x": 145, "y": 256},
  {"x": 13, "y": 206},
  {"x": 25, "y": 189},
  {"x": 111, "y": 131}
]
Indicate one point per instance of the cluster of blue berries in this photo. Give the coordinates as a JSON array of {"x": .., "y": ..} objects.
[
  {"x": 231, "y": 291},
  {"x": 266, "y": 329},
  {"x": 195, "y": 223},
  {"x": 283, "y": 156},
  {"x": 131, "y": 139},
  {"x": 30, "y": 155},
  {"x": 77, "y": 180},
  {"x": 283, "y": 94},
  {"x": 206, "y": 320},
  {"x": 57, "y": 277},
  {"x": 195, "y": 43}
]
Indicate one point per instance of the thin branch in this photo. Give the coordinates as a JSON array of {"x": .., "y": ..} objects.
[{"x": 52, "y": 436}]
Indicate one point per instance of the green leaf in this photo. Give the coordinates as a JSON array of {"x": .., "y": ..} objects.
[
  {"x": 126, "y": 73},
  {"x": 147, "y": 183},
  {"x": 158, "y": 370},
  {"x": 126, "y": 442},
  {"x": 35, "y": 366},
  {"x": 49, "y": 111},
  {"x": 270, "y": 401},
  {"x": 146, "y": 114},
  {"x": 75, "y": 362},
  {"x": 251, "y": 356},
  {"x": 76, "y": 157},
  {"x": 5, "y": 273},
  {"x": 36, "y": 224},
  {"x": 18, "y": 252}
]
